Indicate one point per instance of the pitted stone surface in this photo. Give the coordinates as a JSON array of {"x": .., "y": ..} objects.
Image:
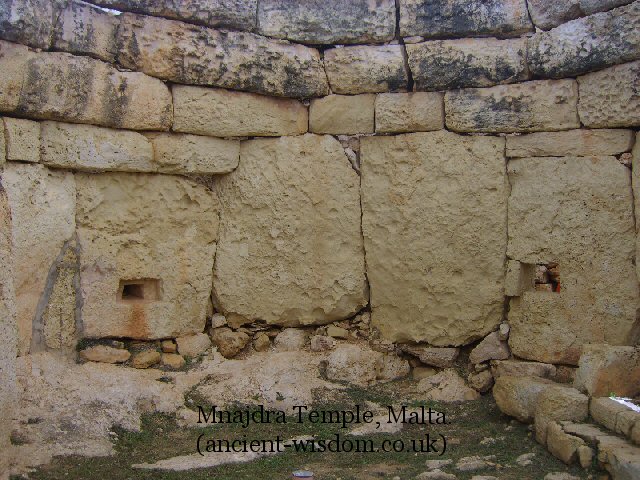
[
  {"x": 343, "y": 114},
  {"x": 290, "y": 248},
  {"x": 575, "y": 211},
  {"x": 437, "y": 275},
  {"x": 409, "y": 112},
  {"x": 197, "y": 55},
  {"x": 463, "y": 18},
  {"x": 580, "y": 142},
  {"x": 326, "y": 22},
  {"x": 587, "y": 44},
  {"x": 546, "y": 14},
  {"x": 470, "y": 62},
  {"x": 155, "y": 231},
  {"x": 29, "y": 22},
  {"x": 366, "y": 69}
]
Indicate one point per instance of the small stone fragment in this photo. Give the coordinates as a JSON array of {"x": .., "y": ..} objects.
[
  {"x": 105, "y": 354},
  {"x": 229, "y": 343},
  {"x": 146, "y": 359},
  {"x": 290, "y": 340},
  {"x": 173, "y": 360},
  {"x": 337, "y": 332},
  {"x": 446, "y": 386},
  {"x": 525, "y": 459},
  {"x": 261, "y": 342},
  {"x": 482, "y": 381},
  {"x": 423, "y": 372},
  {"x": 354, "y": 364},
  {"x": 193, "y": 345},
  {"x": 442, "y": 357},
  {"x": 169, "y": 346},
  {"x": 218, "y": 320},
  {"x": 322, "y": 343},
  {"x": 490, "y": 348}
]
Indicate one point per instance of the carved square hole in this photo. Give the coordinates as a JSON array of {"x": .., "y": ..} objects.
[{"x": 139, "y": 290}]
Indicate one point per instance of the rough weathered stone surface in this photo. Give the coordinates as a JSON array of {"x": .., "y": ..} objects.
[
  {"x": 366, "y": 69},
  {"x": 546, "y": 15},
  {"x": 482, "y": 381},
  {"x": 86, "y": 147},
  {"x": 193, "y": 345},
  {"x": 240, "y": 14},
  {"x": 354, "y": 364},
  {"x": 296, "y": 200},
  {"x": 599, "y": 109},
  {"x": 437, "y": 276},
  {"x": 176, "y": 153},
  {"x": 446, "y": 386},
  {"x": 558, "y": 403},
  {"x": 409, "y": 112},
  {"x": 606, "y": 369},
  {"x": 522, "y": 369},
  {"x": 463, "y": 18},
  {"x": 580, "y": 142},
  {"x": 8, "y": 331},
  {"x": 516, "y": 396},
  {"x": 197, "y": 55},
  {"x": 261, "y": 342},
  {"x": 22, "y": 139},
  {"x": 105, "y": 354},
  {"x": 587, "y": 44},
  {"x": 328, "y": 22},
  {"x": 290, "y": 340},
  {"x": 635, "y": 181},
  {"x": 490, "y": 348},
  {"x": 172, "y": 360},
  {"x": 576, "y": 211},
  {"x": 83, "y": 29},
  {"x": 43, "y": 212},
  {"x": 148, "y": 243},
  {"x": 342, "y": 114},
  {"x": 224, "y": 113},
  {"x": 29, "y": 22},
  {"x": 437, "y": 357},
  {"x": 470, "y": 62},
  {"x": 229, "y": 342},
  {"x": 59, "y": 86},
  {"x": 322, "y": 343},
  {"x": 562, "y": 445},
  {"x": 593, "y": 6},
  {"x": 3, "y": 148},
  {"x": 519, "y": 278},
  {"x": 146, "y": 359},
  {"x": 525, "y": 107}
]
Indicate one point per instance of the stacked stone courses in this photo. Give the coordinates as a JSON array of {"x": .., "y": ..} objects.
[{"x": 295, "y": 162}]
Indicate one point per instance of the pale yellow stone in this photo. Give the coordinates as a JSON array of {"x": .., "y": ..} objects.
[
  {"x": 342, "y": 114},
  {"x": 13, "y": 60},
  {"x": 582, "y": 142},
  {"x": 146, "y": 359},
  {"x": 105, "y": 354},
  {"x": 22, "y": 139},
  {"x": 409, "y": 112},
  {"x": 172, "y": 360}
]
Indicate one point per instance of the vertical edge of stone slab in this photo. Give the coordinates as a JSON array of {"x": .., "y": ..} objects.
[
  {"x": 434, "y": 225},
  {"x": 8, "y": 333},
  {"x": 599, "y": 109},
  {"x": 290, "y": 250},
  {"x": 409, "y": 112},
  {"x": 29, "y": 22},
  {"x": 635, "y": 182},
  {"x": 3, "y": 145},
  {"x": 224, "y": 113},
  {"x": 148, "y": 242},
  {"x": 342, "y": 114},
  {"x": 42, "y": 205},
  {"x": 525, "y": 107},
  {"x": 469, "y": 62},
  {"x": 330, "y": 22},
  {"x": 366, "y": 69},
  {"x": 464, "y": 18},
  {"x": 13, "y": 64}
]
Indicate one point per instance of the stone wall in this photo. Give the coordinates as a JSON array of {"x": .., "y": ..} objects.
[{"x": 446, "y": 165}]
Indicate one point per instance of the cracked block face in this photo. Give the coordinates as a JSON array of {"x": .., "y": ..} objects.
[
  {"x": 576, "y": 212},
  {"x": 434, "y": 224},
  {"x": 147, "y": 248}
]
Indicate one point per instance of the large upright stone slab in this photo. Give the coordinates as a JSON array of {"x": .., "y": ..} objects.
[
  {"x": 469, "y": 62},
  {"x": 578, "y": 213},
  {"x": 29, "y": 22},
  {"x": 240, "y": 14},
  {"x": 9, "y": 335},
  {"x": 290, "y": 250},
  {"x": 195, "y": 55},
  {"x": 587, "y": 44},
  {"x": 328, "y": 22},
  {"x": 598, "y": 108},
  {"x": 147, "y": 243},
  {"x": 434, "y": 224},
  {"x": 43, "y": 208},
  {"x": 464, "y": 18},
  {"x": 525, "y": 107}
]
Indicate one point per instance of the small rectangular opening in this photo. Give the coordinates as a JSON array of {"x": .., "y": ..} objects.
[
  {"x": 139, "y": 290},
  {"x": 547, "y": 277}
]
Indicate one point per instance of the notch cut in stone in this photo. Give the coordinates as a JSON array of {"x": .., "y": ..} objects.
[{"x": 141, "y": 290}]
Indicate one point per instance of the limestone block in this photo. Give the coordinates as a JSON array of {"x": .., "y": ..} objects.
[
  {"x": 224, "y": 113},
  {"x": 290, "y": 340},
  {"x": 519, "y": 368},
  {"x": 328, "y": 22},
  {"x": 105, "y": 354},
  {"x": 446, "y": 386},
  {"x": 437, "y": 357},
  {"x": 469, "y": 62},
  {"x": 146, "y": 359},
  {"x": 558, "y": 403},
  {"x": 8, "y": 332},
  {"x": 172, "y": 360},
  {"x": 576, "y": 211},
  {"x": 587, "y": 44},
  {"x": 490, "y": 348},
  {"x": 228, "y": 342},
  {"x": 482, "y": 381},
  {"x": 86, "y": 30},
  {"x": 148, "y": 243},
  {"x": 581, "y": 142},
  {"x": 546, "y": 15},
  {"x": 409, "y": 112},
  {"x": 463, "y": 18},
  {"x": 516, "y": 396},
  {"x": 191, "y": 54},
  {"x": 342, "y": 114},
  {"x": 290, "y": 250},
  {"x": 593, "y": 6},
  {"x": 187, "y": 154},
  {"x": 236, "y": 14},
  {"x": 562, "y": 445},
  {"x": 86, "y": 147},
  {"x": 43, "y": 208},
  {"x": 519, "y": 278},
  {"x": 366, "y": 69},
  {"x": 354, "y": 364},
  {"x": 393, "y": 368},
  {"x": 22, "y": 139},
  {"x": 193, "y": 345},
  {"x": 607, "y": 369},
  {"x": 29, "y": 22},
  {"x": 437, "y": 275},
  {"x": 59, "y": 86},
  {"x": 525, "y": 107},
  {"x": 599, "y": 109}
]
